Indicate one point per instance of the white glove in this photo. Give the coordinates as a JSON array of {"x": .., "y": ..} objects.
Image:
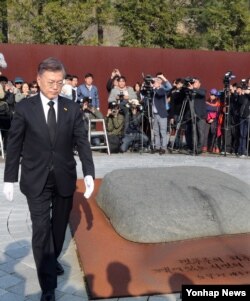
[
  {"x": 89, "y": 186},
  {"x": 8, "y": 191}
]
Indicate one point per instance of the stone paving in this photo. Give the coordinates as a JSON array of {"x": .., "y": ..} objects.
[{"x": 18, "y": 281}]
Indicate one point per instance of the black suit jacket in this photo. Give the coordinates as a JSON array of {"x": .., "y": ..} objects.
[{"x": 29, "y": 137}]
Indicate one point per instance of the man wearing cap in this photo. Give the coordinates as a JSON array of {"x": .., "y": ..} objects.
[
  {"x": 133, "y": 133},
  {"x": 212, "y": 108},
  {"x": 17, "y": 89}
]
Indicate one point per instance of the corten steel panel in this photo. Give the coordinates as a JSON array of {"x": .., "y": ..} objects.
[
  {"x": 115, "y": 267},
  {"x": 209, "y": 66}
]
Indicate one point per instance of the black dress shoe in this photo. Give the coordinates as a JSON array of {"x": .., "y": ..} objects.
[
  {"x": 48, "y": 296},
  {"x": 162, "y": 151},
  {"x": 59, "y": 269},
  {"x": 154, "y": 151}
]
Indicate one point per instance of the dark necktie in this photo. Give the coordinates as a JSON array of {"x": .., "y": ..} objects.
[
  {"x": 73, "y": 95},
  {"x": 51, "y": 121}
]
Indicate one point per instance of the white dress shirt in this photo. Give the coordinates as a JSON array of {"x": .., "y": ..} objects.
[{"x": 46, "y": 107}]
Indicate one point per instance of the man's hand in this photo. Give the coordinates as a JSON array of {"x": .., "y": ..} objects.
[
  {"x": 8, "y": 191},
  {"x": 89, "y": 185}
]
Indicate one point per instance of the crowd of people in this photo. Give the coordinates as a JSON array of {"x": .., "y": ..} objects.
[{"x": 156, "y": 115}]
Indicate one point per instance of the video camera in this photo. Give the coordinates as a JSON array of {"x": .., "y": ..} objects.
[
  {"x": 148, "y": 80},
  {"x": 244, "y": 84},
  {"x": 188, "y": 81},
  {"x": 227, "y": 77}
]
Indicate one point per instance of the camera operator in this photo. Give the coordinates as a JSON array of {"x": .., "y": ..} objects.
[
  {"x": 176, "y": 95},
  {"x": 159, "y": 117},
  {"x": 133, "y": 134},
  {"x": 122, "y": 93},
  {"x": 90, "y": 112},
  {"x": 114, "y": 121},
  {"x": 7, "y": 103},
  {"x": 244, "y": 114},
  {"x": 198, "y": 122}
]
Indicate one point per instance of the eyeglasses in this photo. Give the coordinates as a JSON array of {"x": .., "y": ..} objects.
[{"x": 51, "y": 84}]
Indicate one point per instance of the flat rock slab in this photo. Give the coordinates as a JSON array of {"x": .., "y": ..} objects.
[{"x": 150, "y": 205}]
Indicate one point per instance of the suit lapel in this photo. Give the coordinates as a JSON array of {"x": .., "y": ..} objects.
[
  {"x": 62, "y": 110},
  {"x": 39, "y": 113}
]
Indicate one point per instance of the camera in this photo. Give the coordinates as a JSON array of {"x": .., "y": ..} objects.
[
  {"x": 134, "y": 104},
  {"x": 227, "y": 77},
  {"x": 120, "y": 97},
  {"x": 148, "y": 80},
  {"x": 114, "y": 107},
  {"x": 188, "y": 81},
  {"x": 84, "y": 100},
  {"x": 244, "y": 84}
]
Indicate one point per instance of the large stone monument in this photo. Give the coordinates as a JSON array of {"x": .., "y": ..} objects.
[{"x": 151, "y": 205}]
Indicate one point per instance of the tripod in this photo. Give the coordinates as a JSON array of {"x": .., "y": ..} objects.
[
  {"x": 147, "y": 112},
  {"x": 248, "y": 133},
  {"x": 227, "y": 98},
  {"x": 189, "y": 99}
]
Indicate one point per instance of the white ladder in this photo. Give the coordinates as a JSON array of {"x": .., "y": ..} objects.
[{"x": 95, "y": 133}]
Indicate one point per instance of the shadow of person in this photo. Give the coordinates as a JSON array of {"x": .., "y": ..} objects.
[
  {"x": 80, "y": 205},
  {"x": 16, "y": 263},
  {"x": 118, "y": 276},
  {"x": 176, "y": 281}
]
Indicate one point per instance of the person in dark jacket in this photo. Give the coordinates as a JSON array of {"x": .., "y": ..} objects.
[
  {"x": 244, "y": 102},
  {"x": 160, "y": 115},
  {"x": 196, "y": 123}
]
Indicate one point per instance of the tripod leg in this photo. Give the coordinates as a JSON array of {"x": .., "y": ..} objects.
[
  {"x": 194, "y": 126},
  {"x": 178, "y": 124}
]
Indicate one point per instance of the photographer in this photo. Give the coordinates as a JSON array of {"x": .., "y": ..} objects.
[
  {"x": 244, "y": 112},
  {"x": 90, "y": 112},
  {"x": 121, "y": 93},
  {"x": 195, "y": 128},
  {"x": 133, "y": 134},
  {"x": 159, "y": 117},
  {"x": 176, "y": 95},
  {"x": 114, "y": 121},
  {"x": 7, "y": 102},
  {"x": 88, "y": 90}
]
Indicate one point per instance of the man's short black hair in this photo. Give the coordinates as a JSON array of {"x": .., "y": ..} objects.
[
  {"x": 88, "y": 75},
  {"x": 121, "y": 77},
  {"x": 3, "y": 79}
]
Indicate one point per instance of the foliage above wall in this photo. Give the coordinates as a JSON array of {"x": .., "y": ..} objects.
[{"x": 193, "y": 24}]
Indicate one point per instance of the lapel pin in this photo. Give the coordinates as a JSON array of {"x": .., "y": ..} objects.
[{"x": 65, "y": 109}]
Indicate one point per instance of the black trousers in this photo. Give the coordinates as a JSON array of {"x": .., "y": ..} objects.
[{"x": 49, "y": 215}]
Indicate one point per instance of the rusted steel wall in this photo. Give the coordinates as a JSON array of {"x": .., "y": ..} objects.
[{"x": 209, "y": 66}]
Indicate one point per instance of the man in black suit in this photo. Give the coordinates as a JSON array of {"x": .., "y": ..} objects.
[{"x": 44, "y": 130}]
